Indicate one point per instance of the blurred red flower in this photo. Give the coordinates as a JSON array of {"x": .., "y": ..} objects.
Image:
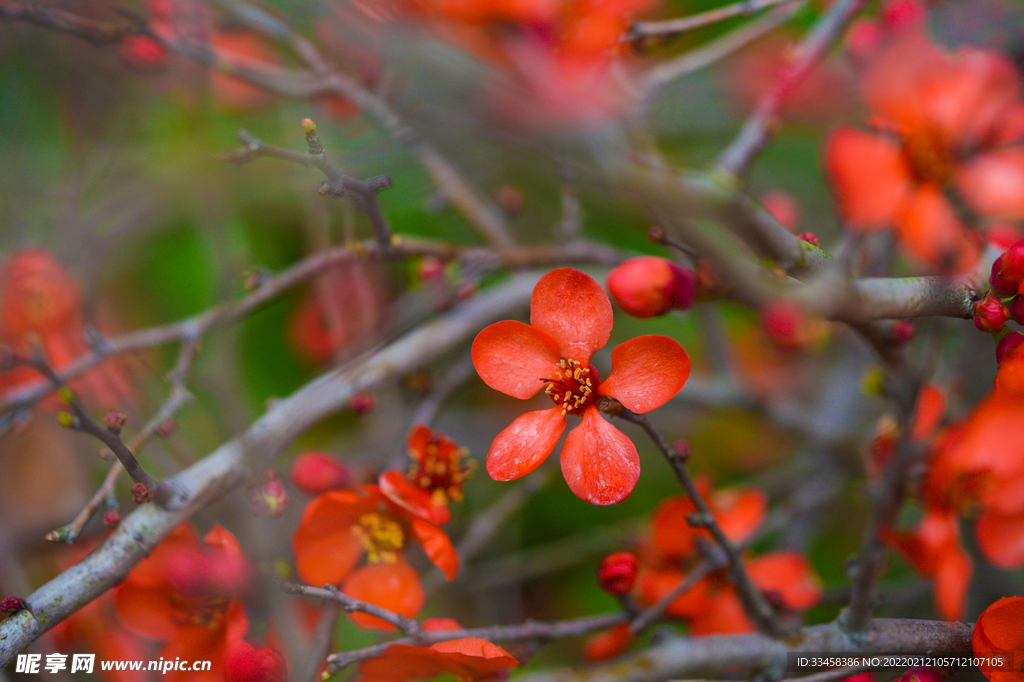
[
  {"x": 435, "y": 476},
  {"x": 570, "y": 318},
  {"x": 1000, "y": 630},
  {"x": 340, "y": 527}
]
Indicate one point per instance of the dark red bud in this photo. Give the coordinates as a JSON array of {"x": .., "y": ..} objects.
[
  {"x": 1016, "y": 309},
  {"x": 1000, "y": 285},
  {"x": 141, "y": 493},
  {"x": 990, "y": 315},
  {"x": 362, "y": 402},
  {"x": 902, "y": 331},
  {"x": 269, "y": 499},
  {"x": 116, "y": 420},
  {"x": 12, "y": 604},
  {"x": 112, "y": 519},
  {"x": 649, "y": 286},
  {"x": 616, "y": 574},
  {"x": 317, "y": 472},
  {"x": 810, "y": 238},
  {"x": 1007, "y": 344}
]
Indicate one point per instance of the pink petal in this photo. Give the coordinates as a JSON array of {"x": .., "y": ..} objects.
[
  {"x": 574, "y": 310},
  {"x": 646, "y": 372},
  {"x": 525, "y": 444},
  {"x": 599, "y": 462},
  {"x": 514, "y": 358}
]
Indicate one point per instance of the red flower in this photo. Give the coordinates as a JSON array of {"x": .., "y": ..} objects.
[
  {"x": 570, "y": 318},
  {"x": 1000, "y": 630},
  {"x": 942, "y": 123},
  {"x": 187, "y": 594},
  {"x": 434, "y": 479},
  {"x": 469, "y": 658},
  {"x": 315, "y": 472},
  {"x": 340, "y": 527}
]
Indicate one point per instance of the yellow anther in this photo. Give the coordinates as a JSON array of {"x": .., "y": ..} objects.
[{"x": 380, "y": 537}]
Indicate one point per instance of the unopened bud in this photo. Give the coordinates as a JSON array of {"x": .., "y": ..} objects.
[
  {"x": 112, "y": 519},
  {"x": 649, "y": 286},
  {"x": 269, "y": 499},
  {"x": 309, "y": 126},
  {"x": 1016, "y": 309},
  {"x": 362, "y": 403},
  {"x": 1007, "y": 344},
  {"x": 166, "y": 429},
  {"x": 902, "y": 331},
  {"x": 810, "y": 238},
  {"x": 431, "y": 269},
  {"x": 12, "y": 604},
  {"x": 141, "y": 493},
  {"x": 682, "y": 447},
  {"x": 317, "y": 472},
  {"x": 511, "y": 199},
  {"x": 616, "y": 574},
  {"x": 116, "y": 420},
  {"x": 990, "y": 315}
]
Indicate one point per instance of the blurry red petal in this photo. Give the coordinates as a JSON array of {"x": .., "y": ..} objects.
[
  {"x": 573, "y": 310},
  {"x": 403, "y": 662},
  {"x": 931, "y": 404},
  {"x": 993, "y": 183},
  {"x": 325, "y": 548},
  {"x": 477, "y": 655},
  {"x": 437, "y": 545},
  {"x": 930, "y": 231},
  {"x": 670, "y": 530},
  {"x": 145, "y": 610},
  {"x": 952, "y": 581},
  {"x": 646, "y": 373},
  {"x": 869, "y": 176},
  {"x": 440, "y": 624},
  {"x": 725, "y": 615},
  {"x": 514, "y": 358},
  {"x": 599, "y": 462},
  {"x": 608, "y": 644},
  {"x": 395, "y": 587},
  {"x": 1001, "y": 538},
  {"x": 419, "y": 439},
  {"x": 739, "y": 511},
  {"x": 787, "y": 576},
  {"x": 524, "y": 444},
  {"x": 412, "y": 498}
]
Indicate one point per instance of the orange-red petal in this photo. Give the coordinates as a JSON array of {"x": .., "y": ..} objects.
[
  {"x": 930, "y": 231},
  {"x": 514, "y": 358},
  {"x": 524, "y": 444},
  {"x": 414, "y": 499},
  {"x": 739, "y": 511},
  {"x": 475, "y": 654},
  {"x": 788, "y": 577},
  {"x": 572, "y": 309},
  {"x": 325, "y": 548},
  {"x": 870, "y": 177},
  {"x": 437, "y": 545},
  {"x": 1001, "y": 538},
  {"x": 395, "y": 587},
  {"x": 646, "y": 373},
  {"x": 599, "y": 462},
  {"x": 1002, "y": 624},
  {"x": 993, "y": 183}
]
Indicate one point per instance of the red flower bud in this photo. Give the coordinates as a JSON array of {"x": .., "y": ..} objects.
[
  {"x": 990, "y": 315},
  {"x": 431, "y": 269},
  {"x": 316, "y": 472},
  {"x": 616, "y": 573},
  {"x": 1007, "y": 344},
  {"x": 245, "y": 663},
  {"x": 1001, "y": 286},
  {"x": 902, "y": 331},
  {"x": 1016, "y": 309},
  {"x": 166, "y": 429},
  {"x": 112, "y": 518},
  {"x": 362, "y": 402},
  {"x": 783, "y": 207},
  {"x": 784, "y": 323},
  {"x": 116, "y": 420},
  {"x": 12, "y": 604},
  {"x": 901, "y": 15},
  {"x": 649, "y": 286},
  {"x": 810, "y": 238},
  {"x": 141, "y": 493},
  {"x": 144, "y": 53},
  {"x": 1008, "y": 270},
  {"x": 511, "y": 199},
  {"x": 269, "y": 499}
]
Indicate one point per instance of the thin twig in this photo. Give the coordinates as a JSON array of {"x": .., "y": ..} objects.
[
  {"x": 407, "y": 626},
  {"x": 322, "y": 642},
  {"x": 759, "y": 127},
  {"x": 672, "y": 28},
  {"x": 758, "y": 608}
]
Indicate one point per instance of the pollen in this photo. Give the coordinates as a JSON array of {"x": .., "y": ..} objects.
[
  {"x": 380, "y": 536},
  {"x": 442, "y": 468},
  {"x": 572, "y": 386},
  {"x": 928, "y": 155},
  {"x": 199, "y": 610}
]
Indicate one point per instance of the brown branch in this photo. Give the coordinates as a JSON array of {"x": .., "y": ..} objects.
[
  {"x": 322, "y": 643},
  {"x": 53, "y": 18},
  {"x": 760, "y": 126},
  {"x": 757, "y": 607},
  {"x": 407, "y": 626},
  {"x": 363, "y": 193}
]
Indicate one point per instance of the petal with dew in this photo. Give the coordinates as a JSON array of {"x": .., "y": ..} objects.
[
  {"x": 646, "y": 373},
  {"x": 524, "y": 444},
  {"x": 514, "y": 358},
  {"x": 599, "y": 462},
  {"x": 571, "y": 308}
]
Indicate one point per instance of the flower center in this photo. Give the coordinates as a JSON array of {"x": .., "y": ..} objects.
[
  {"x": 573, "y": 386},
  {"x": 442, "y": 469},
  {"x": 928, "y": 157},
  {"x": 206, "y": 611},
  {"x": 380, "y": 536}
]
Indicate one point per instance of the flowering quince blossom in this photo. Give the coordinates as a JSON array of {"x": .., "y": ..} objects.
[
  {"x": 570, "y": 318},
  {"x": 943, "y": 124},
  {"x": 1000, "y": 630},
  {"x": 340, "y": 527},
  {"x": 468, "y": 658},
  {"x": 187, "y": 593},
  {"x": 435, "y": 476}
]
